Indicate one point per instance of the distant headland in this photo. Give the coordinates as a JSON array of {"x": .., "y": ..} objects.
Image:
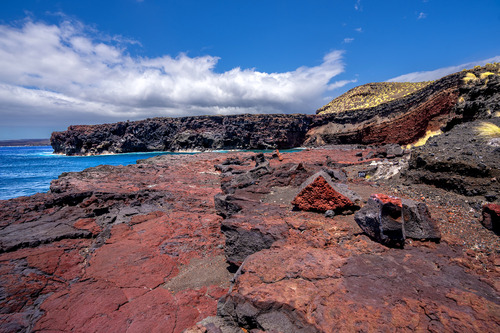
[{"x": 24, "y": 142}]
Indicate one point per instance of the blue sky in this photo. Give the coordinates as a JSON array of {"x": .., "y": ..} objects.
[{"x": 86, "y": 62}]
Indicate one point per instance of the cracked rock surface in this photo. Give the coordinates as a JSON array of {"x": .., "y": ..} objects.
[
  {"x": 114, "y": 249},
  {"x": 141, "y": 248}
]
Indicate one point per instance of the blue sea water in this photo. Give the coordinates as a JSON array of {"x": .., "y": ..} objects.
[{"x": 29, "y": 170}]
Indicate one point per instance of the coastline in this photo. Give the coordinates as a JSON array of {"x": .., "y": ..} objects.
[
  {"x": 25, "y": 143},
  {"x": 157, "y": 220}
]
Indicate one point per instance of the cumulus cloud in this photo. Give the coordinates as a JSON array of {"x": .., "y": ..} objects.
[
  {"x": 421, "y": 16},
  {"x": 439, "y": 73},
  {"x": 66, "y": 71}
]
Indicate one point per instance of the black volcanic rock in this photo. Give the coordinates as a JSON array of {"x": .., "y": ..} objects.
[
  {"x": 458, "y": 161},
  {"x": 442, "y": 104},
  {"x": 187, "y": 133}
]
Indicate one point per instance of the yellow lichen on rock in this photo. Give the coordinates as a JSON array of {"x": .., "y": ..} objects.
[
  {"x": 371, "y": 95},
  {"x": 422, "y": 141},
  {"x": 470, "y": 77}
]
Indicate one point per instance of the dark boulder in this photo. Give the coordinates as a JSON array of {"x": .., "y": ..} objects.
[
  {"x": 491, "y": 217},
  {"x": 390, "y": 220},
  {"x": 380, "y": 219},
  {"x": 418, "y": 223}
]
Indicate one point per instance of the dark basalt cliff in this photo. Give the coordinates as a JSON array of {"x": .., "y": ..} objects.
[
  {"x": 438, "y": 105},
  {"x": 187, "y": 133}
]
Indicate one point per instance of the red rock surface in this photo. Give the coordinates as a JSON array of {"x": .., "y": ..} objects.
[
  {"x": 320, "y": 196},
  {"x": 146, "y": 223},
  {"x": 140, "y": 248},
  {"x": 324, "y": 274},
  {"x": 384, "y": 198}
]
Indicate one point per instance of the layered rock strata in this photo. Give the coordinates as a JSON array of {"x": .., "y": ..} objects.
[
  {"x": 439, "y": 105},
  {"x": 459, "y": 160}
]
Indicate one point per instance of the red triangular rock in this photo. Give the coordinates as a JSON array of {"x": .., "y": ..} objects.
[{"x": 319, "y": 194}]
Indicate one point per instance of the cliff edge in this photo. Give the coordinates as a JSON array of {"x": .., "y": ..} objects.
[{"x": 399, "y": 113}]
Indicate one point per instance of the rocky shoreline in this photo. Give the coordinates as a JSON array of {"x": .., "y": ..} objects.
[
  {"x": 354, "y": 233},
  {"x": 152, "y": 247}
]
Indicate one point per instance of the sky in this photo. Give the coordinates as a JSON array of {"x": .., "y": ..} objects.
[{"x": 72, "y": 62}]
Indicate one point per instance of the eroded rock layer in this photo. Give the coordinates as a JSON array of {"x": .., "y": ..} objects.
[{"x": 439, "y": 105}]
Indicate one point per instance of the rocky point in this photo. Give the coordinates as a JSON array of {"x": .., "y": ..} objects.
[{"x": 361, "y": 234}]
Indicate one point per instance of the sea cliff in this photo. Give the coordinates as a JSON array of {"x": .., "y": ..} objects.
[
  {"x": 439, "y": 105},
  {"x": 359, "y": 234}
]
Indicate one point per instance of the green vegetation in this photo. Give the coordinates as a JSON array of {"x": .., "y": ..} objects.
[{"x": 371, "y": 94}]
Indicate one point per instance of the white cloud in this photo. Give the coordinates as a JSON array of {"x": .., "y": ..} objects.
[
  {"x": 421, "y": 16},
  {"x": 340, "y": 84},
  {"x": 348, "y": 40},
  {"x": 66, "y": 72},
  {"x": 439, "y": 73},
  {"x": 357, "y": 5},
  {"x": 359, "y": 29}
]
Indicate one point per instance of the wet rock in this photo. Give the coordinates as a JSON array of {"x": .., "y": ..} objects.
[
  {"x": 319, "y": 193},
  {"x": 491, "y": 217}
]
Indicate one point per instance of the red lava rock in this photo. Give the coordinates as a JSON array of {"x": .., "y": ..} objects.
[
  {"x": 108, "y": 275},
  {"x": 302, "y": 289},
  {"x": 156, "y": 264},
  {"x": 491, "y": 217},
  {"x": 320, "y": 194},
  {"x": 88, "y": 224},
  {"x": 387, "y": 199}
]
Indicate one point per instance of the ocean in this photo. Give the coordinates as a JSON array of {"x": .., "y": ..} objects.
[{"x": 29, "y": 170}]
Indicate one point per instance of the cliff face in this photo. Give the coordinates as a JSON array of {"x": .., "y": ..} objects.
[
  {"x": 442, "y": 104},
  {"x": 453, "y": 99},
  {"x": 173, "y": 134}
]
